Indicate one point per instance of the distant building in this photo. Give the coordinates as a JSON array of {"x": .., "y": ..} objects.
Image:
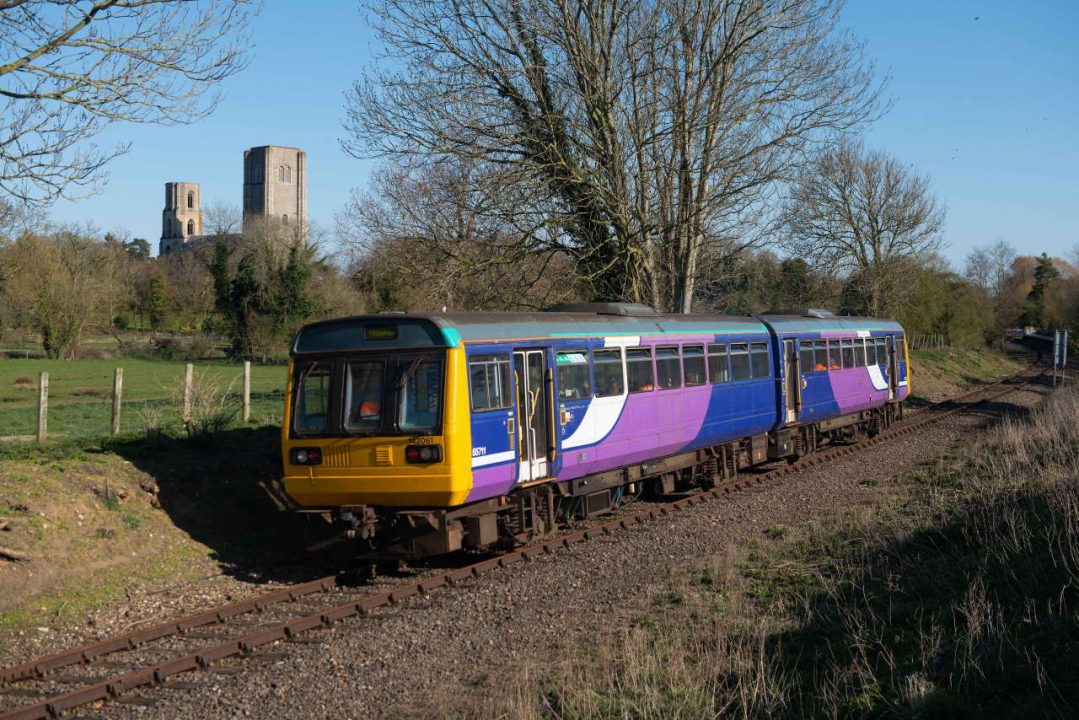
[
  {"x": 275, "y": 184},
  {"x": 275, "y": 189},
  {"x": 181, "y": 219}
]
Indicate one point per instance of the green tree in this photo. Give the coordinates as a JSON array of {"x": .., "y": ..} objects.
[
  {"x": 1044, "y": 275},
  {"x": 292, "y": 302},
  {"x": 157, "y": 300},
  {"x": 138, "y": 248}
]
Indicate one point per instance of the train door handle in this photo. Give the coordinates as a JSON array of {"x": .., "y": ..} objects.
[{"x": 510, "y": 426}]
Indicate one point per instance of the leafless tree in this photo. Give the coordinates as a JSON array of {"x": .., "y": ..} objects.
[
  {"x": 220, "y": 219},
  {"x": 450, "y": 234},
  {"x": 864, "y": 214},
  {"x": 989, "y": 266},
  {"x": 17, "y": 218},
  {"x": 652, "y": 131},
  {"x": 68, "y": 68}
]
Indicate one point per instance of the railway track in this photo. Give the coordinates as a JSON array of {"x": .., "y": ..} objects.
[{"x": 155, "y": 656}]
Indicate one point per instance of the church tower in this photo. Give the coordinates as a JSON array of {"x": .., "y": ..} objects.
[
  {"x": 275, "y": 186},
  {"x": 182, "y": 217}
]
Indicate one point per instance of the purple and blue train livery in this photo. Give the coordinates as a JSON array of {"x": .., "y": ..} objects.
[{"x": 429, "y": 433}]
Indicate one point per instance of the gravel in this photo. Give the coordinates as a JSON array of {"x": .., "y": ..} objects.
[{"x": 463, "y": 644}]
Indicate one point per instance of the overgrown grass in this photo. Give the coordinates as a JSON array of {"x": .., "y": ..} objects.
[
  {"x": 961, "y": 600},
  {"x": 80, "y": 393},
  {"x": 938, "y": 373}
]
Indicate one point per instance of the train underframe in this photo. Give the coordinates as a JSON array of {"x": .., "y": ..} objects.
[{"x": 532, "y": 513}]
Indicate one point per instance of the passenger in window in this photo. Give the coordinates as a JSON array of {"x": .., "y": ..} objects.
[{"x": 614, "y": 387}]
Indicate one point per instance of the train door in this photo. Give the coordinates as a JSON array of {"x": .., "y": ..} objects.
[
  {"x": 893, "y": 367},
  {"x": 533, "y": 411},
  {"x": 792, "y": 375}
]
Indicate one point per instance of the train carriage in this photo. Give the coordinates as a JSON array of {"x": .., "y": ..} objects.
[{"x": 427, "y": 433}]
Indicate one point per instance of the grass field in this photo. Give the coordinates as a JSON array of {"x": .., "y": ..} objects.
[{"x": 80, "y": 393}]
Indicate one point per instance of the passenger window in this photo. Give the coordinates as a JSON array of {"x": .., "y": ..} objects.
[
  {"x": 820, "y": 351},
  {"x": 693, "y": 364},
  {"x": 833, "y": 355},
  {"x": 759, "y": 358},
  {"x": 806, "y": 349},
  {"x": 489, "y": 380},
  {"x": 420, "y": 406},
  {"x": 639, "y": 370},
  {"x": 740, "y": 361},
  {"x": 859, "y": 353},
  {"x": 573, "y": 376},
  {"x": 608, "y": 370},
  {"x": 313, "y": 398},
  {"x": 718, "y": 372},
  {"x": 848, "y": 353},
  {"x": 668, "y": 368},
  {"x": 363, "y": 396}
]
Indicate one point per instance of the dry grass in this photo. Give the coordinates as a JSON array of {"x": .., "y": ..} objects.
[{"x": 962, "y": 600}]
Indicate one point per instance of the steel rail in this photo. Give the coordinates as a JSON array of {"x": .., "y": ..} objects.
[{"x": 159, "y": 673}]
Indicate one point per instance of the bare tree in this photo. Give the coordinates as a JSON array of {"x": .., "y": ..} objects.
[
  {"x": 864, "y": 214},
  {"x": 448, "y": 234},
  {"x": 17, "y": 218},
  {"x": 652, "y": 132},
  {"x": 68, "y": 68},
  {"x": 221, "y": 219},
  {"x": 989, "y": 266}
]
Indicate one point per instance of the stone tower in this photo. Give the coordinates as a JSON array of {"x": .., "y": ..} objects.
[
  {"x": 182, "y": 217},
  {"x": 275, "y": 185}
]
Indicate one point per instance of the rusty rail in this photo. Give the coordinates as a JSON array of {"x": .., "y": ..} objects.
[{"x": 159, "y": 673}]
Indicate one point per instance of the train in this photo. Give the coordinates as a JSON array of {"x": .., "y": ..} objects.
[{"x": 421, "y": 434}]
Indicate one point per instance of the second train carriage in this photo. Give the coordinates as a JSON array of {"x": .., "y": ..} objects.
[{"x": 426, "y": 433}]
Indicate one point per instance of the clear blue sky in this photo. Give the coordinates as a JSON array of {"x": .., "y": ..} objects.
[{"x": 986, "y": 102}]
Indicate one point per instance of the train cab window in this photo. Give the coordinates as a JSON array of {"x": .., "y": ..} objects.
[
  {"x": 805, "y": 349},
  {"x": 820, "y": 353},
  {"x": 759, "y": 360},
  {"x": 574, "y": 382},
  {"x": 740, "y": 361},
  {"x": 859, "y": 353},
  {"x": 420, "y": 395},
  {"x": 363, "y": 396},
  {"x": 882, "y": 351},
  {"x": 693, "y": 365},
  {"x": 718, "y": 372},
  {"x": 668, "y": 368},
  {"x": 833, "y": 355},
  {"x": 312, "y": 398},
  {"x": 639, "y": 370},
  {"x": 607, "y": 366},
  {"x": 848, "y": 353},
  {"x": 489, "y": 381}
]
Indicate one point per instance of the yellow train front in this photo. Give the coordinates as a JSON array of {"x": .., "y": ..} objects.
[{"x": 374, "y": 418}]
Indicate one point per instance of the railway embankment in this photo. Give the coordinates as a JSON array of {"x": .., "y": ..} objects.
[
  {"x": 105, "y": 533},
  {"x": 956, "y": 597}
]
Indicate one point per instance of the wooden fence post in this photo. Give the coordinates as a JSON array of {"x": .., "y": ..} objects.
[
  {"x": 189, "y": 377},
  {"x": 247, "y": 391},
  {"x": 42, "y": 407},
  {"x": 117, "y": 393}
]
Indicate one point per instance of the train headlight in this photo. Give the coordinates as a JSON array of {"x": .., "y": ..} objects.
[
  {"x": 423, "y": 453},
  {"x": 306, "y": 456}
]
